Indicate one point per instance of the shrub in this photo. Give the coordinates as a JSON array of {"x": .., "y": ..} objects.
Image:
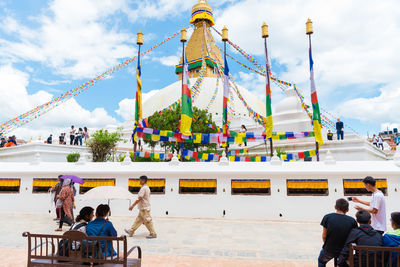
[{"x": 73, "y": 157}]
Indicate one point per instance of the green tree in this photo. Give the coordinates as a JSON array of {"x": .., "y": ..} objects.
[
  {"x": 169, "y": 120},
  {"x": 103, "y": 143}
]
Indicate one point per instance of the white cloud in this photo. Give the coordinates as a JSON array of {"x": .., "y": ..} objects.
[
  {"x": 126, "y": 107},
  {"x": 49, "y": 82},
  {"x": 73, "y": 38},
  {"x": 387, "y": 125},
  {"x": 169, "y": 61},
  {"x": 16, "y": 100},
  {"x": 381, "y": 108},
  {"x": 354, "y": 42}
]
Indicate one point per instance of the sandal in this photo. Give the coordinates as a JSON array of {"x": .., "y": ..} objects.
[{"x": 58, "y": 230}]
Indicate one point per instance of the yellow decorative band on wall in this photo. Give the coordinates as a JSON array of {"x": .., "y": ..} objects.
[
  {"x": 198, "y": 183},
  {"x": 236, "y": 184},
  {"x": 4, "y": 182},
  {"x": 358, "y": 183},
  {"x": 98, "y": 182},
  {"x": 44, "y": 182},
  {"x": 307, "y": 184},
  {"x": 150, "y": 183}
]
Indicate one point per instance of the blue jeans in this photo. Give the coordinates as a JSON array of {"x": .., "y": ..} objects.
[
  {"x": 324, "y": 257},
  {"x": 339, "y": 135}
]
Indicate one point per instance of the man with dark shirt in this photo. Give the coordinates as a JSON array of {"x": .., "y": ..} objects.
[
  {"x": 3, "y": 142},
  {"x": 336, "y": 228},
  {"x": 339, "y": 129},
  {"x": 329, "y": 135},
  {"x": 364, "y": 235},
  {"x": 50, "y": 139}
]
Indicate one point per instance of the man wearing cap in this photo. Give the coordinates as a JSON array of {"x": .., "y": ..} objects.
[
  {"x": 144, "y": 216},
  {"x": 377, "y": 206},
  {"x": 392, "y": 239}
]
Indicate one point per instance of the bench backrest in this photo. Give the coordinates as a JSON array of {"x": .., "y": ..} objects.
[
  {"x": 75, "y": 246},
  {"x": 366, "y": 256}
]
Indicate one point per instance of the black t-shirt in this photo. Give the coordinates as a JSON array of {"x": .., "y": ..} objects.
[{"x": 338, "y": 228}]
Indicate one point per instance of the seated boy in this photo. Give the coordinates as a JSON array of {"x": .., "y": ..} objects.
[
  {"x": 364, "y": 235},
  {"x": 101, "y": 226},
  {"x": 392, "y": 239},
  {"x": 336, "y": 227}
]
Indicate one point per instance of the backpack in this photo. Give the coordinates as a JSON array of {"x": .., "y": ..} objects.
[{"x": 63, "y": 245}]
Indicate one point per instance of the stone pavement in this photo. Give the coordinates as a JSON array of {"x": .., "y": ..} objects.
[{"x": 229, "y": 242}]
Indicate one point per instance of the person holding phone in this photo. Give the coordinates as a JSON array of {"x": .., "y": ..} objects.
[{"x": 377, "y": 205}]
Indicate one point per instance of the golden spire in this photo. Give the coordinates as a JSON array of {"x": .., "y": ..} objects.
[{"x": 202, "y": 11}]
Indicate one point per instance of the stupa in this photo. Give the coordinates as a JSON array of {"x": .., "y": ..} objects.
[{"x": 287, "y": 116}]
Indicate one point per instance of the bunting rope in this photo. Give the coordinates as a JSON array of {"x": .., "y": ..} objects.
[
  {"x": 257, "y": 117},
  {"x": 215, "y": 157},
  {"x": 195, "y": 88},
  {"x": 156, "y": 135},
  {"x": 261, "y": 70},
  {"x": 214, "y": 96},
  {"x": 38, "y": 111}
]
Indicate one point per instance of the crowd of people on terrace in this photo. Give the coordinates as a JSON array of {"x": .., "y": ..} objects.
[
  {"x": 368, "y": 229},
  {"x": 9, "y": 142},
  {"x": 76, "y": 137}
]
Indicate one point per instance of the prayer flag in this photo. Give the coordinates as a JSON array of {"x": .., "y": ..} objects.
[
  {"x": 225, "y": 129},
  {"x": 186, "y": 110},
  {"x": 315, "y": 106},
  {"x": 138, "y": 100}
]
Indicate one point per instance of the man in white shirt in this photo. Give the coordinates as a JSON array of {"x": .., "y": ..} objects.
[
  {"x": 144, "y": 216},
  {"x": 377, "y": 206}
]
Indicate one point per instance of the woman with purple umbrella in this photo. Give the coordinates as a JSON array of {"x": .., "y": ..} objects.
[{"x": 67, "y": 197}]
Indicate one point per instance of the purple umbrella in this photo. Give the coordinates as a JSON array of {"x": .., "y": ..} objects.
[{"x": 74, "y": 179}]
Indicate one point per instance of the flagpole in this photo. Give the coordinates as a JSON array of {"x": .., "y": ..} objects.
[
  {"x": 183, "y": 41},
  {"x": 225, "y": 114},
  {"x": 309, "y": 31},
  {"x": 268, "y": 92},
  {"x": 139, "y": 42}
]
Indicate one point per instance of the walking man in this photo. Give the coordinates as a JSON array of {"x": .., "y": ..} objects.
[
  {"x": 377, "y": 206},
  {"x": 144, "y": 216},
  {"x": 339, "y": 129}
]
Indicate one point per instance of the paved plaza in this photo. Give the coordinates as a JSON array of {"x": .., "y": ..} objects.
[{"x": 190, "y": 242}]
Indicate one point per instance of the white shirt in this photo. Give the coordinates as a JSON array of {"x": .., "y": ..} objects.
[
  {"x": 378, "y": 221},
  {"x": 144, "y": 193}
]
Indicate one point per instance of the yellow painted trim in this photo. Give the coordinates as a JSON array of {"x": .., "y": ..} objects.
[
  {"x": 44, "y": 182},
  {"x": 9, "y": 182},
  {"x": 198, "y": 183},
  {"x": 307, "y": 184},
  {"x": 151, "y": 183},
  {"x": 358, "y": 184},
  {"x": 96, "y": 183},
  {"x": 251, "y": 184}
]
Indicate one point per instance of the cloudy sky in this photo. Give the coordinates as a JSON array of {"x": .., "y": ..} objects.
[{"x": 49, "y": 47}]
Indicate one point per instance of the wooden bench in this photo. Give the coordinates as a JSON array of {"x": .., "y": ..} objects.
[
  {"x": 373, "y": 256},
  {"x": 79, "y": 250}
]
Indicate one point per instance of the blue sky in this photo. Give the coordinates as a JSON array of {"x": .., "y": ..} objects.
[{"x": 49, "y": 47}]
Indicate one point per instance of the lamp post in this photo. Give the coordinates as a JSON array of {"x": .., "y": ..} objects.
[
  {"x": 226, "y": 90},
  {"x": 309, "y": 31},
  {"x": 265, "y": 34},
  {"x": 138, "y": 113},
  {"x": 183, "y": 41}
]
